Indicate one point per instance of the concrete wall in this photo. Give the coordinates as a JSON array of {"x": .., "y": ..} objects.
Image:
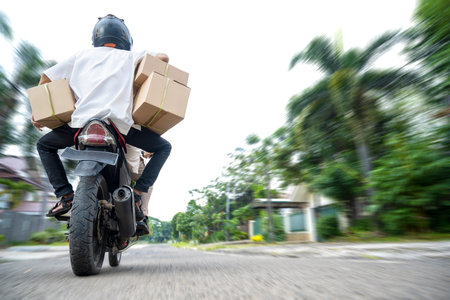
[{"x": 16, "y": 226}]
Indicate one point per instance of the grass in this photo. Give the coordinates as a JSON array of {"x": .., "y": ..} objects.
[
  {"x": 375, "y": 237},
  {"x": 224, "y": 245},
  {"x": 355, "y": 237},
  {"x": 31, "y": 243}
]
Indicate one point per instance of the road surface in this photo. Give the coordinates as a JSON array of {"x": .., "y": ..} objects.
[{"x": 165, "y": 272}]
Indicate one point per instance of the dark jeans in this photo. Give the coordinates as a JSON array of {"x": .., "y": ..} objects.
[{"x": 62, "y": 137}]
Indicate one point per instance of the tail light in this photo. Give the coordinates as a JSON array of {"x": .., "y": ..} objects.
[{"x": 96, "y": 134}]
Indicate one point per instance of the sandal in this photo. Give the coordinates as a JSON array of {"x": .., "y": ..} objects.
[
  {"x": 141, "y": 228},
  {"x": 66, "y": 205},
  {"x": 138, "y": 211},
  {"x": 141, "y": 225}
]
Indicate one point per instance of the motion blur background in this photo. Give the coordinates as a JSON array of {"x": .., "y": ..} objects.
[{"x": 347, "y": 97}]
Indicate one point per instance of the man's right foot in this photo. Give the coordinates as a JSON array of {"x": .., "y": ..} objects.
[
  {"x": 141, "y": 228},
  {"x": 138, "y": 210},
  {"x": 141, "y": 224}
]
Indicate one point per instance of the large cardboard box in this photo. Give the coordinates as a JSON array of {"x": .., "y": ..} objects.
[
  {"x": 53, "y": 103},
  {"x": 151, "y": 64},
  {"x": 160, "y": 103}
]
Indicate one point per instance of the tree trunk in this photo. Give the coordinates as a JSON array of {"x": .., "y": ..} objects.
[
  {"x": 365, "y": 159},
  {"x": 351, "y": 211},
  {"x": 366, "y": 165},
  {"x": 227, "y": 233},
  {"x": 363, "y": 155},
  {"x": 269, "y": 207}
]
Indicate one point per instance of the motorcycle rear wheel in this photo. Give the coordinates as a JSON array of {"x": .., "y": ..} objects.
[
  {"x": 114, "y": 260},
  {"x": 86, "y": 237}
]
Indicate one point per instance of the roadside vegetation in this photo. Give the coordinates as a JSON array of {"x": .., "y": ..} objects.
[{"x": 370, "y": 138}]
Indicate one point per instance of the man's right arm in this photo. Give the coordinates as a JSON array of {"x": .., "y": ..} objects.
[{"x": 163, "y": 57}]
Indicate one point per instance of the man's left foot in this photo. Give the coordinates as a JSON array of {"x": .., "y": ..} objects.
[{"x": 61, "y": 207}]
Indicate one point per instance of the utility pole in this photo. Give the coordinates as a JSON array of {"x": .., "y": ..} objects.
[
  {"x": 43, "y": 209},
  {"x": 227, "y": 234}
]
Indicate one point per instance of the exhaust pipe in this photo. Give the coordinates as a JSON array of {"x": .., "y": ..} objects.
[{"x": 124, "y": 203}]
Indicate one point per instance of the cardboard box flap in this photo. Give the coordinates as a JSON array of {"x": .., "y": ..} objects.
[
  {"x": 151, "y": 64},
  {"x": 148, "y": 65}
]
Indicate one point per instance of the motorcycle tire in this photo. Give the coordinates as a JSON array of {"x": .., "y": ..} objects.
[
  {"x": 114, "y": 260},
  {"x": 86, "y": 244}
]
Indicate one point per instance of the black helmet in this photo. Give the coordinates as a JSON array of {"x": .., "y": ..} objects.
[{"x": 113, "y": 32}]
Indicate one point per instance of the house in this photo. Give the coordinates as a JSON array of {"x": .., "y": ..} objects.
[
  {"x": 300, "y": 211},
  {"x": 29, "y": 216}
]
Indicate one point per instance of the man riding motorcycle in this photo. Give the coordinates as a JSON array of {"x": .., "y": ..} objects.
[{"x": 102, "y": 81}]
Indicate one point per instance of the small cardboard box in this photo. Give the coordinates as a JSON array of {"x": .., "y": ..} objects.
[
  {"x": 53, "y": 103},
  {"x": 160, "y": 103},
  {"x": 151, "y": 64}
]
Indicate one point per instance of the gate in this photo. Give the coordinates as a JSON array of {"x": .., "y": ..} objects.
[
  {"x": 297, "y": 222},
  {"x": 257, "y": 227}
]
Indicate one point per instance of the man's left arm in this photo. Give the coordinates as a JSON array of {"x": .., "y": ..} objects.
[{"x": 44, "y": 79}]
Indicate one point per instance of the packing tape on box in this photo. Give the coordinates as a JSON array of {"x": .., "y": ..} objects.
[
  {"x": 161, "y": 106},
  {"x": 49, "y": 98}
]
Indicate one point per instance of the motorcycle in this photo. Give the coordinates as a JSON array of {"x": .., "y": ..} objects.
[{"x": 102, "y": 218}]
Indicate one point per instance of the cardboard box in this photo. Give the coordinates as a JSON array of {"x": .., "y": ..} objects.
[
  {"x": 151, "y": 64},
  {"x": 53, "y": 103},
  {"x": 160, "y": 103}
]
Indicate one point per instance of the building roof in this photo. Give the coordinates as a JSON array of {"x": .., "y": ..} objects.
[
  {"x": 33, "y": 207},
  {"x": 13, "y": 163},
  {"x": 277, "y": 203},
  {"x": 16, "y": 168}
]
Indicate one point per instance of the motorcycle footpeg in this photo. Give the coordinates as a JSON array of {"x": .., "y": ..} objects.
[{"x": 62, "y": 218}]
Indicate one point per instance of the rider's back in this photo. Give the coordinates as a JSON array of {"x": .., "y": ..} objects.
[{"x": 101, "y": 79}]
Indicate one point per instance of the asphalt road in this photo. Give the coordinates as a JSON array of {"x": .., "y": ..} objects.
[{"x": 164, "y": 272}]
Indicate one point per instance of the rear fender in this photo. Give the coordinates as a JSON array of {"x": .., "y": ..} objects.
[
  {"x": 89, "y": 168},
  {"x": 90, "y": 162}
]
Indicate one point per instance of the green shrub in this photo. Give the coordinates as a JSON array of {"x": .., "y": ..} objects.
[
  {"x": 217, "y": 236},
  {"x": 401, "y": 221},
  {"x": 328, "y": 227},
  {"x": 48, "y": 236},
  {"x": 278, "y": 227},
  {"x": 364, "y": 224},
  {"x": 239, "y": 235},
  {"x": 412, "y": 185}
]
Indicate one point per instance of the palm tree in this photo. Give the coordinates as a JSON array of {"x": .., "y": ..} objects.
[
  {"x": 28, "y": 69},
  {"x": 7, "y": 100},
  {"x": 349, "y": 91},
  {"x": 5, "y": 28},
  {"x": 430, "y": 45}
]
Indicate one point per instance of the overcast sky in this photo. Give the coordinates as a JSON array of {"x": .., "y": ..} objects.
[{"x": 236, "y": 52}]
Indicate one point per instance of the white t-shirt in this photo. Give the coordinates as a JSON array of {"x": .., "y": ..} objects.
[{"x": 102, "y": 81}]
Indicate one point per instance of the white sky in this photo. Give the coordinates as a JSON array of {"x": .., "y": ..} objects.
[{"x": 237, "y": 54}]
